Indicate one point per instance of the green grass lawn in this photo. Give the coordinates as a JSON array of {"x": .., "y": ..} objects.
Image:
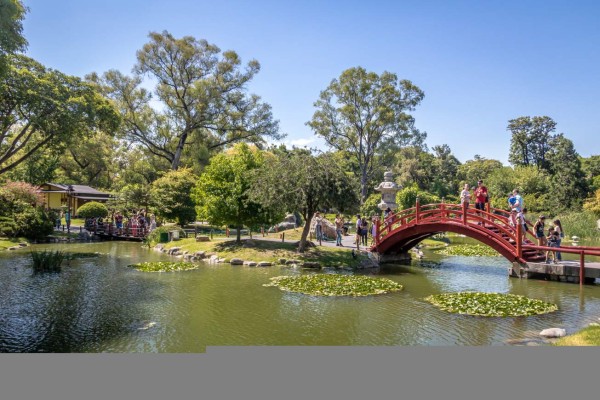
[{"x": 589, "y": 336}]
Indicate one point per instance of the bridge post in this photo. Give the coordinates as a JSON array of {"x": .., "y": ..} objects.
[
  {"x": 418, "y": 210},
  {"x": 443, "y": 210},
  {"x": 464, "y": 216},
  {"x": 377, "y": 227},
  {"x": 581, "y": 267},
  {"x": 518, "y": 241}
]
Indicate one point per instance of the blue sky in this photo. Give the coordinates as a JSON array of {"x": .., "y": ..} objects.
[{"x": 480, "y": 63}]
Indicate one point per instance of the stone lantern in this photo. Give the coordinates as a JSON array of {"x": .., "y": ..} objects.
[{"x": 388, "y": 189}]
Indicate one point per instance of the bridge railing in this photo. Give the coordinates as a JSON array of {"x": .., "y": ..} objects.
[{"x": 450, "y": 214}]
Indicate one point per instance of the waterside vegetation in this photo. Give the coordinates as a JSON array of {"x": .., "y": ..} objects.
[
  {"x": 490, "y": 304},
  {"x": 334, "y": 285}
]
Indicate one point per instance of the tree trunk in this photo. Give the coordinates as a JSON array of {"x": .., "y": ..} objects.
[
  {"x": 178, "y": 151},
  {"x": 238, "y": 237},
  {"x": 302, "y": 245},
  {"x": 363, "y": 185}
]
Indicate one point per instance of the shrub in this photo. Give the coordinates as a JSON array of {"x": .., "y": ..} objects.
[
  {"x": 8, "y": 227},
  {"x": 92, "y": 209},
  {"x": 33, "y": 223}
]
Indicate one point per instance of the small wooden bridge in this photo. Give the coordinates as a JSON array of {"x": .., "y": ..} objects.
[{"x": 403, "y": 230}]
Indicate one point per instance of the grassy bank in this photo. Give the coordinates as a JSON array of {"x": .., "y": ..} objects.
[
  {"x": 589, "y": 336},
  {"x": 5, "y": 243},
  {"x": 272, "y": 251}
]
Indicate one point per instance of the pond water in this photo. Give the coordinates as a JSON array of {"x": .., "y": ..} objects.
[{"x": 98, "y": 304}]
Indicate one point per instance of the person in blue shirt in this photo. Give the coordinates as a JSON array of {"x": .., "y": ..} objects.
[{"x": 518, "y": 201}]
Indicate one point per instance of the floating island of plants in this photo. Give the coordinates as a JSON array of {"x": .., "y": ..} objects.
[
  {"x": 469, "y": 250},
  {"x": 490, "y": 304},
  {"x": 334, "y": 285},
  {"x": 163, "y": 266}
]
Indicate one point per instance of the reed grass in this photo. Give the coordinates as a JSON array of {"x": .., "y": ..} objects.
[{"x": 47, "y": 261}]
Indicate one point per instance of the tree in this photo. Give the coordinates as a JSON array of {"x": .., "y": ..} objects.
[
  {"x": 222, "y": 193},
  {"x": 41, "y": 108},
  {"x": 477, "y": 168},
  {"x": 569, "y": 186},
  {"x": 301, "y": 181},
  {"x": 445, "y": 171},
  {"x": 363, "y": 113},
  {"x": 202, "y": 96},
  {"x": 530, "y": 141},
  {"x": 591, "y": 168},
  {"x": 171, "y": 196},
  {"x": 593, "y": 204},
  {"x": 12, "y": 13},
  {"x": 413, "y": 166},
  {"x": 533, "y": 184}
]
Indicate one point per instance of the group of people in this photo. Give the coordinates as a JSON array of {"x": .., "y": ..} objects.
[
  {"x": 364, "y": 227},
  {"x": 139, "y": 224},
  {"x": 518, "y": 212}
]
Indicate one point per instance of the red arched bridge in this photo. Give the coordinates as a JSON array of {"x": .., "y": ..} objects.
[{"x": 403, "y": 230}]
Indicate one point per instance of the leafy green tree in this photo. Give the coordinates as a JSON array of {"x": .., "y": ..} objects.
[
  {"x": 91, "y": 161},
  {"x": 445, "y": 171},
  {"x": 407, "y": 197},
  {"x": 369, "y": 207},
  {"x": 12, "y": 40},
  {"x": 41, "y": 108},
  {"x": 533, "y": 184},
  {"x": 569, "y": 186},
  {"x": 591, "y": 168},
  {"x": 413, "y": 166},
  {"x": 222, "y": 192},
  {"x": 201, "y": 94},
  {"x": 299, "y": 180},
  {"x": 171, "y": 196},
  {"x": 530, "y": 141},
  {"x": 593, "y": 204},
  {"x": 92, "y": 209},
  {"x": 362, "y": 113},
  {"x": 477, "y": 168}
]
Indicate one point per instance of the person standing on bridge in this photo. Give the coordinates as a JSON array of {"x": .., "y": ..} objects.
[
  {"x": 481, "y": 197},
  {"x": 518, "y": 203},
  {"x": 561, "y": 234},
  {"x": 465, "y": 196},
  {"x": 538, "y": 230}
]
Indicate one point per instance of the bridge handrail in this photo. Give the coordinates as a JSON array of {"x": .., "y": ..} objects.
[{"x": 449, "y": 213}]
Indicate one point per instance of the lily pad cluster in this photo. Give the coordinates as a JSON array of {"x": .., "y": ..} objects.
[
  {"x": 469, "y": 250},
  {"x": 334, "y": 284},
  {"x": 490, "y": 304},
  {"x": 164, "y": 266}
]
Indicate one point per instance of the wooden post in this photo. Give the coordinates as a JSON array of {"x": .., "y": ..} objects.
[
  {"x": 377, "y": 227},
  {"x": 581, "y": 267},
  {"x": 518, "y": 240},
  {"x": 464, "y": 209},
  {"x": 487, "y": 208},
  {"x": 282, "y": 237},
  {"x": 418, "y": 208},
  {"x": 443, "y": 210}
]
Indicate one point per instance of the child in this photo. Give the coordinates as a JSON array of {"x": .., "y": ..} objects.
[
  {"x": 465, "y": 196},
  {"x": 552, "y": 242},
  {"x": 538, "y": 230},
  {"x": 561, "y": 234},
  {"x": 521, "y": 219}
]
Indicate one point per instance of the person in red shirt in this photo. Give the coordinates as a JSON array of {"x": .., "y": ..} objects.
[{"x": 481, "y": 197}]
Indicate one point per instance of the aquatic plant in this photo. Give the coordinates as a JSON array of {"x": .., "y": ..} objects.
[
  {"x": 334, "y": 285},
  {"x": 163, "y": 266},
  {"x": 490, "y": 304},
  {"x": 47, "y": 261},
  {"x": 469, "y": 250}
]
